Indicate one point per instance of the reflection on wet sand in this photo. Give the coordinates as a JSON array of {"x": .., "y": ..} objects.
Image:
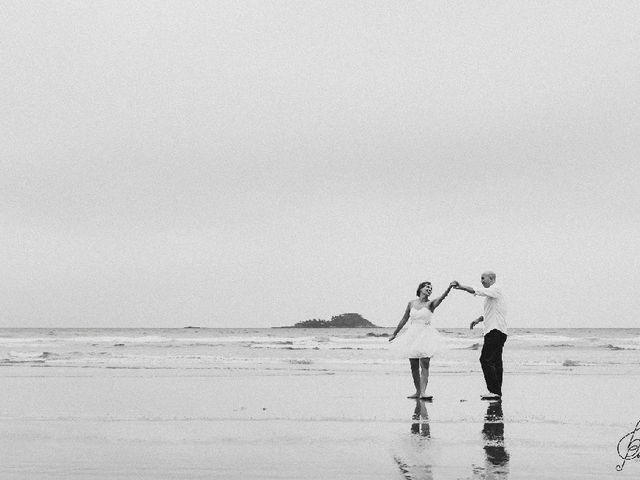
[
  {"x": 419, "y": 452},
  {"x": 497, "y": 458},
  {"x": 420, "y": 467},
  {"x": 420, "y": 414}
]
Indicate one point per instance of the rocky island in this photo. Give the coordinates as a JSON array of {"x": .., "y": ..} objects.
[{"x": 345, "y": 320}]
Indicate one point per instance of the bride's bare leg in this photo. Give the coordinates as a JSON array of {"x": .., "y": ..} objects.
[
  {"x": 415, "y": 374},
  {"x": 424, "y": 375}
]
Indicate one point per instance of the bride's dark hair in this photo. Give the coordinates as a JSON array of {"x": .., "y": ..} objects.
[{"x": 420, "y": 287}]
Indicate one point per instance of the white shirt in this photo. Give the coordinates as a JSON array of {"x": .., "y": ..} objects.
[{"x": 495, "y": 309}]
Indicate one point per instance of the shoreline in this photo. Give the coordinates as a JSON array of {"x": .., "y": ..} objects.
[{"x": 103, "y": 423}]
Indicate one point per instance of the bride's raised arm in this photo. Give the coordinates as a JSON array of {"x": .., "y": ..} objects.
[{"x": 436, "y": 302}]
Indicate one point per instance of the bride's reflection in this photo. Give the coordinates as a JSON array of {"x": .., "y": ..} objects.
[
  {"x": 497, "y": 458},
  {"x": 421, "y": 417},
  {"x": 417, "y": 465}
]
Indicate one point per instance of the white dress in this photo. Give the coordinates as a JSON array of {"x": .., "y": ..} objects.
[{"x": 418, "y": 338}]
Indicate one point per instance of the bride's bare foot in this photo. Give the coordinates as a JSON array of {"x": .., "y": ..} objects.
[{"x": 415, "y": 395}]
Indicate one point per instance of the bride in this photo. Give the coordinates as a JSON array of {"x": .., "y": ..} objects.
[{"x": 419, "y": 341}]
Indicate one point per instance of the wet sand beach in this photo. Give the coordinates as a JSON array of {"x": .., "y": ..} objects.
[{"x": 250, "y": 423}]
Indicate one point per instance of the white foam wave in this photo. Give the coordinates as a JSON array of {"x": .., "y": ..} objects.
[
  {"x": 89, "y": 340},
  {"x": 143, "y": 339},
  {"x": 27, "y": 357},
  {"x": 544, "y": 339},
  {"x": 622, "y": 345},
  {"x": 312, "y": 341}
]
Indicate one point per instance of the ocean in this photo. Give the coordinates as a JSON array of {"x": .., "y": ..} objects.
[
  {"x": 286, "y": 351},
  {"x": 288, "y": 403}
]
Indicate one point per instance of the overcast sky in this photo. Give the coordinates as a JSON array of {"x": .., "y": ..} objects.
[{"x": 259, "y": 163}]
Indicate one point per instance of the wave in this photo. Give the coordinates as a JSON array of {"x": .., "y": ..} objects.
[
  {"x": 627, "y": 346},
  {"x": 571, "y": 363},
  {"x": 317, "y": 347},
  {"x": 290, "y": 363},
  {"x": 466, "y": 338},
  {"x": 146, "y": 340},
  {"x": 540, "y": 339},
  {"x": 89, "y": 340},
  {"x": 303, "y": 361},
  {"x": 27, "y": 357},
  {"x": 122, "y": 359}
]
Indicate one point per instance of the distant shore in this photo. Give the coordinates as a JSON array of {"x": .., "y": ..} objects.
[{"x": 345, "y": 320}]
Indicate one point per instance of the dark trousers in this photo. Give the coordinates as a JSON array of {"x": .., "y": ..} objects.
[{"x": 491, "y": 360}]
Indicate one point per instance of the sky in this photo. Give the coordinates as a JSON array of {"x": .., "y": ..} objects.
[{"x": 260, "y": 163}]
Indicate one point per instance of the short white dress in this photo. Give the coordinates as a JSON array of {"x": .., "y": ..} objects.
[{"x": 418, "y": 338}]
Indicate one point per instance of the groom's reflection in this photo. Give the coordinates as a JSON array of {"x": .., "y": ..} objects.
[
  {"x": 415, "y": 462},
  {"x": 497, "y": 458}
]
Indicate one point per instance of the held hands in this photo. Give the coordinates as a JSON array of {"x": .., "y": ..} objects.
[{"x": 456, "y": 285}]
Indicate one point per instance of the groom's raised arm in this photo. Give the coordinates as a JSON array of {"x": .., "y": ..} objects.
[{"x": 465, "y": 288}]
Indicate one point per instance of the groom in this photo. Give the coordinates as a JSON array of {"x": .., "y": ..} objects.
[{"x": 495, "y": 332}]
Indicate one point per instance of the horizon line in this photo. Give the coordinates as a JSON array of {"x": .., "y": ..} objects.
[{"x": 197, "y": 327}]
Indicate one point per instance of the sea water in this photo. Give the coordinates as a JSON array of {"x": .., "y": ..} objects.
[
  {"x": 310, "y": 403},
  {"x": 272, "y": 351}
]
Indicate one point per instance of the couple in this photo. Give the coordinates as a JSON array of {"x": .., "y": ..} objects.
[{"x": 419, "y": 341}]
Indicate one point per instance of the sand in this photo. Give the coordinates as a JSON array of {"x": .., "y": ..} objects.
[{"x": 246, "y": 423}]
